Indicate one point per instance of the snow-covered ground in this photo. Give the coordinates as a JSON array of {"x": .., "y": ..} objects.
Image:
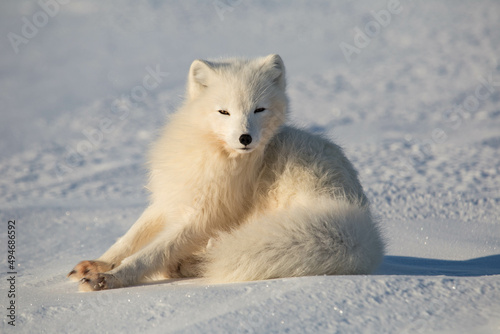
[{"x": 411, "y": 89}]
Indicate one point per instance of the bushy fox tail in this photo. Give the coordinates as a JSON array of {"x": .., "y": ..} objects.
[{"x": 322, "y": 237}]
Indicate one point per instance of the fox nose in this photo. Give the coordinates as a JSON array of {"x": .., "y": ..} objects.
[{"x": 245, "y": 139}]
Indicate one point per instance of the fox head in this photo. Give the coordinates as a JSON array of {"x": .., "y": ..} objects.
[{"x": 243, "y": 101}]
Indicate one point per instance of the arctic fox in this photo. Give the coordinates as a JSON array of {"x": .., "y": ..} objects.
[{"x": 237, "y": 195}]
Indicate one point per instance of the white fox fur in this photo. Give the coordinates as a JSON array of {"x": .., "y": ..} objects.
[{"x": 276, "y": 202}]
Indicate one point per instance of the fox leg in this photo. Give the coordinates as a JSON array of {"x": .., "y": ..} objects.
[
  {"x": 193, "y": 266},
  {"x": 148, "y": 226},
  {"x": 164, "y": 254}
]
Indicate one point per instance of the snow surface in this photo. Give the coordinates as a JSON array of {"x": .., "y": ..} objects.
[{"x": 409, "y": 108}]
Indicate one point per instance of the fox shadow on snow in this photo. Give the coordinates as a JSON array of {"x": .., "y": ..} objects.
[{"x": 403, "y": 265}]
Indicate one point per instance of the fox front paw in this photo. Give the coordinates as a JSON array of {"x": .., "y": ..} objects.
[
  {"x": 99, "y": 281},
  {"x": 87, "y": 268}
]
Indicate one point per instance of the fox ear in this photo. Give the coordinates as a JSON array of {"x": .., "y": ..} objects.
[
  {"x": 273, "y": 64},
  {"x": 199, "y": 74}
]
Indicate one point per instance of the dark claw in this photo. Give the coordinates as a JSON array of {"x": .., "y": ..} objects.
[
  {"x": 71, "y": 273},
  {"x": 101, "y": 281},
  {"x": 85, "y": 280},
  {"x": 86, "y": 271}
]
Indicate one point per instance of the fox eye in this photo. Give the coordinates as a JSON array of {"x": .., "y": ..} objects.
[
  {"x": 223, "y": 112},
  {"x": 259, "y": 110}
]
